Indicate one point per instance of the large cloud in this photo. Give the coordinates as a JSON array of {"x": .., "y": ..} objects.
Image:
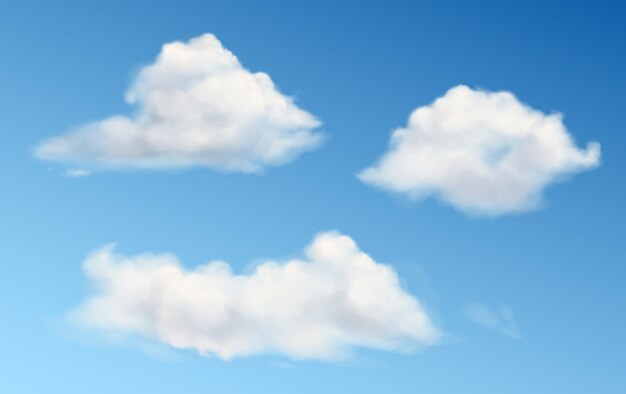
[
  {"x": 484, "y": 153},
  {"x": 197, "y": 106},
  {"x": 318, "y": 308}
]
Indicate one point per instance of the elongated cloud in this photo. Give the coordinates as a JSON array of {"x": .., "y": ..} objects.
[
  {"x": 500, "y": 320},
  {"x": 484, "y": 153},
  {"x": 76, "y": 173},
  {"x": 321, "y": 307},
  {"x": 196, "y": 106}
]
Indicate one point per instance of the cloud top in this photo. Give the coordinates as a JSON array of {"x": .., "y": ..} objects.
[
  {"x": 483, "y": 152},
  {"x": 196, "y": 106},
  {"x": 321, "y": 307}
]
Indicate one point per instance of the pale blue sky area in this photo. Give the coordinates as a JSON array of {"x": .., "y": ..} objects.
[{"x": 361, "y": 67}]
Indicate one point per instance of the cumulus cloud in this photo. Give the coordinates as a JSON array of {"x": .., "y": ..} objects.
[
  {"x": 501, "y": 320},
  {"x": 196, "y": 106},
  {"x": 335, "y": 299},
  {"x": 485, "y": 153}
]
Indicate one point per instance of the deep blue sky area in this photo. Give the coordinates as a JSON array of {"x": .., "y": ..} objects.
[{"x": 361, "y": 67}]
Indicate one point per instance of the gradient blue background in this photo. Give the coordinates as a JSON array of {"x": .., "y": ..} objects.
[{"x": 362, "y": 67}]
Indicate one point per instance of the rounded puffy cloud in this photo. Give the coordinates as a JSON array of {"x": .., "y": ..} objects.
[
  {"x": 485, "y": 153},
  {"x": 336, "y": 299},
  {"x": 197, "y": 106}
]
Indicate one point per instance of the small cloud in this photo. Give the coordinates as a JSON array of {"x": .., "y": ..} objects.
[
  {"x": 283, "y": 365},
  {"x": 485, "y": 153},
  {"x": 319, "y": 308},
  {"x": 500, "y": 320},
  {"x": 196, "y": 106},
  {"x": 76, "y": 173}
]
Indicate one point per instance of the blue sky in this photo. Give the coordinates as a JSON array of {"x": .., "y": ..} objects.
[{"x": 361, "y": 68}]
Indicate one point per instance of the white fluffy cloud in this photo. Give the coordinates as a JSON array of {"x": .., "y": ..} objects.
[
  {"x": 501, "y": 320},
  {"x": 336, "y": 299},
  {"x": 196, "y": 106},
  {"x": 482, "y": 152}
]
